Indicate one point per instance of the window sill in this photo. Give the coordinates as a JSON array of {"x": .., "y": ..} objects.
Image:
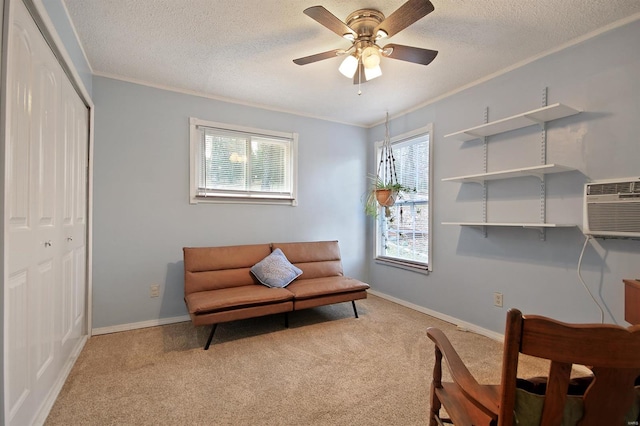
[
  {"x": 420, "y": 268},
  {"x": 243, "y": 200}
]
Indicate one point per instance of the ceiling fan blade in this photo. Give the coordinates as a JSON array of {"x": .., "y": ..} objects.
[
  {"x": 416, "y": 55},
  {"x": 318, "y": 57},
  {"x": 407, "y": 14},
  {"x": 326, "y": 18}
]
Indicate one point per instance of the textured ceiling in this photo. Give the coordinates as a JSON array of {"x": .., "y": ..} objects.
[{"x": 242, "y": 50}]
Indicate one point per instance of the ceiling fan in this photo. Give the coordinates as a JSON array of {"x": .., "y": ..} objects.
[{"x": 364, "y": 28}]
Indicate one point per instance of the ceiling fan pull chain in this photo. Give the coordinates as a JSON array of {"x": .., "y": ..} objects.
[{"x": 359, "y": 80}]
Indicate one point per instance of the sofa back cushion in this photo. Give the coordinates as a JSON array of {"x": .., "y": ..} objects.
[
  {"x": 316, "y": 259},
  {"x": 211, "y": 268}
]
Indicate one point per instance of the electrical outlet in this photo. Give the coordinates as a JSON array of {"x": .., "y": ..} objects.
[
  {"x": 497, "y": 299},
  {"x": 154, "y": 290}
]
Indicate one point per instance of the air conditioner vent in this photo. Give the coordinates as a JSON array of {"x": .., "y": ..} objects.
[
  {"x": 612, "y": 208},
  {"x": 611, "y": 188},
  {"x": 616, "y": 217}
]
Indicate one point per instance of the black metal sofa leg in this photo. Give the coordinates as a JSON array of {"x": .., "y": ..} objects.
[
  {"x": 286, "y": 320},
  {"x": 355, "y": 311},
  {"x": 213, "y": 330}
]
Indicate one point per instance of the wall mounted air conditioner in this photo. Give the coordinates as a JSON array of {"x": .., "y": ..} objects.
[{"x": 612, "y": 208}]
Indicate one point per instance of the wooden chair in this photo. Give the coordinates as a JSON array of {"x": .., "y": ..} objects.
[{"x": 611, "y": 352}]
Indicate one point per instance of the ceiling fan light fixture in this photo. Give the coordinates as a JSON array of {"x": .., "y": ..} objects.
[
  {"x": 371, "y": 73},
  {"x": 381, "y": 34},
  {"x": 349, "y": 66},
  {"x": 371, "y": 57},
  {"x": 363, "y": 28}
]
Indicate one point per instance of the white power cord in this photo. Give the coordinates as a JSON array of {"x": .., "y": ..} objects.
[{"x": 584, "y": 247}]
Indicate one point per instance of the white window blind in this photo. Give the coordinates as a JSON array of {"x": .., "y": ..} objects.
[
  {"x": 242, "y": 165},
  {"x": 403, "y": 238}
]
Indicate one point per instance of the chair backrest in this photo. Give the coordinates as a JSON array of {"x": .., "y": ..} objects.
[{"x": 610, "y": 351}]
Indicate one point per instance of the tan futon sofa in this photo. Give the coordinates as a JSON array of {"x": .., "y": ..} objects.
[{"x": 219, "y": 285}]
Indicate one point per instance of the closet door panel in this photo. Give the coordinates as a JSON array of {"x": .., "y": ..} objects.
[
  {"x": 81, "y": 160},
  {"x": 45, "y": 98},
  {"x": 19, "y": 382},
  {"x": 79, "y": 290},
  {"x": 68, "y": 163},
  {"x": 73, "y": 201},
  {"x": 45, "y": 126},
  {"x": 67, "y": 297},
  {"x": 19, "y": 235},
  {"x": 19, "y": 153},
  {"x": 45, "y": 221},
  {"x": 44, "y": 139},
  {"x": 79, "y": 242},
  {"x": 44, "y": 337},
  {"x": 18, "y": 176}
]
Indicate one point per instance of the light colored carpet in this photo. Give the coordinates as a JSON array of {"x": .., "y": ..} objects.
[{"x": 327, "y": 368}]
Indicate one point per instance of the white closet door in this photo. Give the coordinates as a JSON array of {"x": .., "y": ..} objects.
[
  {"x": 73, "y": 202},
  {"x": 45, "y": 224}
]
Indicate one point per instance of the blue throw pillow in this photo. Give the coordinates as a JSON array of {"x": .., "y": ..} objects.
[{"x": 275, "y": 270}]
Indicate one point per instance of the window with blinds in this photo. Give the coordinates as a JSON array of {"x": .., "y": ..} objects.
[
  {"x": 237, "y": 164},
  {"x": 404, "y": 237}
]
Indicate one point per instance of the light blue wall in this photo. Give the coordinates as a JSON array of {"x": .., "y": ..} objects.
[
  {"x": 600, "y": 77},
  {"x": 2, "y": 181},
  {"x": 142, "y": 216},
  {"x": 58, "y": 15}
]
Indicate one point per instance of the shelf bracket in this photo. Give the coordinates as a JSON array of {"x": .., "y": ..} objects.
[
  {"x": 538, "y": 175},
  {"x": 535, "y": 120}
]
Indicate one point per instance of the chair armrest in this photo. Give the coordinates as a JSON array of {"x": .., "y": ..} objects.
[{"x": 481, "y": 396}]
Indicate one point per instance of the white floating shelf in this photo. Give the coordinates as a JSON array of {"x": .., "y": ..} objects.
[
  {"x": 513, "y": 225},
  {"x": 529, "y": 118},
  {"x": 537, "y": 171}
]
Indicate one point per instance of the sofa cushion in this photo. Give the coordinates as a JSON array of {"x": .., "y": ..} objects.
[
  {"x": 200, "y": 259},
  {"x": 316, "y": 259},
  {"x": 203, "y": 302},
  {"x": 318, "y": 287},
  {"x": 210, "y": 268},
  {"x": 275, "y": 270}
]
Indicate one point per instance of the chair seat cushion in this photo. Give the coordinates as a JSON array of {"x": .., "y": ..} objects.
[
  {"x": 318, "y": 287},
  {"x": 235, "y": 297}
]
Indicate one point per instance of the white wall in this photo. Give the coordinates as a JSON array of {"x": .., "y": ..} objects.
[
  {"x": 599, "y": 76},
  {"x": 142, "y": 216}
]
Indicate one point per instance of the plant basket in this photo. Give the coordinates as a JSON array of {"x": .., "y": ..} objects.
[
  {"x": 386, "y": 197},
  {"x": 385, "y": 187}
]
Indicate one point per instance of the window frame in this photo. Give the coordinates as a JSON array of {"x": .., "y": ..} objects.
[
  {"x": 290, "y": 199},
  {"x": 395, "y": 261}
]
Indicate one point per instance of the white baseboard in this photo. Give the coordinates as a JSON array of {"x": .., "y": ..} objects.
[
  {"x": 462, "y": 325},
  {"x": 141, "y": 324},
  {"x": 465, "y": 326}
]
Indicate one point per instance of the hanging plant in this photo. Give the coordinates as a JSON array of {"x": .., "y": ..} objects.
[{"x": 384, "y": 188}]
